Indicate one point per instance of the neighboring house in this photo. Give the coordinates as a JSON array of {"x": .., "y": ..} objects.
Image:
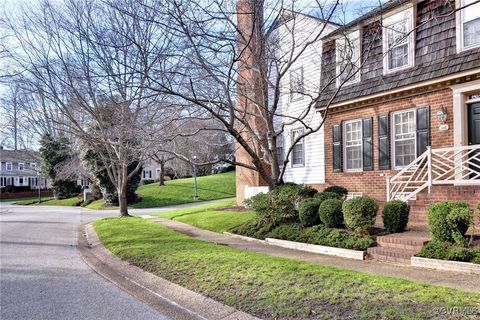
[
  {"x": 302, "y": 81},
  {"x": 407, "y": 125},
  {"x": 151, "y": 170},
  {"x": 294, "y": 35},
  {"x": 21, "y": 168}
]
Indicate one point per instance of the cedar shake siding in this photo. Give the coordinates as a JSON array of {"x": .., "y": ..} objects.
[{"x": 435, "y": 54}]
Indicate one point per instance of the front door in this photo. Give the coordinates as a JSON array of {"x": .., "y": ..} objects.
[{"x": 474, "y": 136}]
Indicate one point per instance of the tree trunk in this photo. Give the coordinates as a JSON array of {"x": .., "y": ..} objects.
[
  {"x": 162, "y": 174},
  {"x": 122, "y": 199}
]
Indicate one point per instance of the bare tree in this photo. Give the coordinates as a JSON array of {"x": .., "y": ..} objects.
[
  {"x": 235, "y": 63},
  {"x": 92, "y": 64}
]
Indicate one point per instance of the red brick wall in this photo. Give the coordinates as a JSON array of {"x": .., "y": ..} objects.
[{"x": 373, "y": 183}]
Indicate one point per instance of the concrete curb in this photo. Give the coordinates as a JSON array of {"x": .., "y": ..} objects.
[{"x": 168, "y": 298}]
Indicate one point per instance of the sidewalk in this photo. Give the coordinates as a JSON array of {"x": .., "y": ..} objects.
[{"x": 462, "y": 281}]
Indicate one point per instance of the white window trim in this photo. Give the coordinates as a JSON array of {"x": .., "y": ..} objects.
[
  {"x": 459, "y": 28},
  {"x": 344, "y": 129},
  {"x": 392, "y": 133},
  {"x": 352, "y": 38},
  {"x": 23, "y": 166},
  {"x": 302, "y": 141},
  {"x": 411, "y": 39},
  {"x": 6, "y": 166},
  {"x": 33, "y": 165},
  {"x": 296, "y": 96}
]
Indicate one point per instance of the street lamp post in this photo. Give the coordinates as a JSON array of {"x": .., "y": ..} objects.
[{"x": 195, "y": 195}]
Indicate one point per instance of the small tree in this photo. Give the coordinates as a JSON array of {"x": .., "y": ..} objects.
[{"x": 55, "y": 152}]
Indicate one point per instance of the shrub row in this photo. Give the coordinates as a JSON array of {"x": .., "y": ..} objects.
[
  {"x": 436, "y": 249},
  {"x": 320, "y": 235}
]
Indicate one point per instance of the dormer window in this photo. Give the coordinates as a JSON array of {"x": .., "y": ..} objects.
[
  {"x": 398, "y": 41},
  {"x": 348, "y": 58},
  {"x": 468, "y": 25}
]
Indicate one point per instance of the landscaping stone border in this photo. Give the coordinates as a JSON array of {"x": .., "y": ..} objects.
[
  {"x": 314, "y": 248},
  {"x": 445, "y": 265},
  {"x": 237, "y": 236},
  {"x": 170, "y": 299}
]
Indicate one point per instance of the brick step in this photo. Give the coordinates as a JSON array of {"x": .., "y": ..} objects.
[
  {"x": 391, "y": 254},
  {"x": 401, "y": 242}
]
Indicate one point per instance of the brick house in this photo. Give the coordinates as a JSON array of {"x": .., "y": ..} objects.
[{"x": 407, "y": 123}]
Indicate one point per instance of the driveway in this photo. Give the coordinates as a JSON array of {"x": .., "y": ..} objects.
[{"x": 43, "y": 277}]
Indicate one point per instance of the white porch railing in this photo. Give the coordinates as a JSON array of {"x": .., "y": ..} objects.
[{"x": 444, "y": 166}]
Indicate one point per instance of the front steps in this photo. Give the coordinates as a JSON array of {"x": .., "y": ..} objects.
[{"x": 399, "y": 247}]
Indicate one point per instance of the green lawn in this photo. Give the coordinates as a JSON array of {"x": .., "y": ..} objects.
[
  {"x": 49, "y": 201},
  {"x": 180, "y": 191},
  {"x": 271, "y": 287},
  {"x": 206, "y": 217}
]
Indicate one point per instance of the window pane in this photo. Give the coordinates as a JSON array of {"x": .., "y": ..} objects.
[
  {"x": 404, "y": 138},
  {"x": 398, "y": 56},
  {"x": 353, "y": 145},
  {"x": 297, "y": 151},
  {"x": 471, "y": 33},
  {"x": 404, "y": 152}
]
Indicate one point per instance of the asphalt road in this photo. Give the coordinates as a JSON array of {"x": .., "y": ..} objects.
[{"x": 42, "y": 275}]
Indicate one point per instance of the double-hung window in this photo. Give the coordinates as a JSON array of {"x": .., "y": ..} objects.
[
  {"x": 404, "y": 138},
  {"x": 468, "y": 25},
  {"x": 280, "y": 155},
  {"x": 8, "y": 166},
  {"x": 298, "y": 151},
  {"x": 348, "y": 58},
  {"x": 296, "y": 84},
  {"x": 353, "y": 146},
  {"x": 398, "y": 41},
  {"x": 21, "y": 166}
]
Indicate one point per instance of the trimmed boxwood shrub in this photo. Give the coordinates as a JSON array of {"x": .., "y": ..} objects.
[
  {"x": 434, "y": 249},
  {"x": 340, "y": 191},
  {"x": 308, "y": 212},
  {"x": 291, "y": 231},
  {"x": 448, "y": 221},
  {"x": 147, "y": 181},
  {"x": 330, "y": 213},
  {"x": 460, "y": 254},
  {"x": 326, "y": 195},
  {"x": 395, "y": 215},
  {"x": 307, "y": 192},
  {"x": 359, "y": 213}
]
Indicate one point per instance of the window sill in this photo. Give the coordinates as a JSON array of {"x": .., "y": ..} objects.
[
  {"x": 397, "y": 70},
  {"x": 298, "y": 166}
]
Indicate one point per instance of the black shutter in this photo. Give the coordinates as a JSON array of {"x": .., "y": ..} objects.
[
  {"x": 383, "y": 143},
  {"x": 367, "y": 144},
  {"x": 337, "y": 147},
  {"x": 423, "y": 129}
]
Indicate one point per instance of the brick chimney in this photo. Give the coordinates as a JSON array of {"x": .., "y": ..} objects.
[{"x": 250, "y": 86}]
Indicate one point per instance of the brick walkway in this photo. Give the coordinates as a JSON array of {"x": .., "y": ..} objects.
[{"x": 467, "y": 282}]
